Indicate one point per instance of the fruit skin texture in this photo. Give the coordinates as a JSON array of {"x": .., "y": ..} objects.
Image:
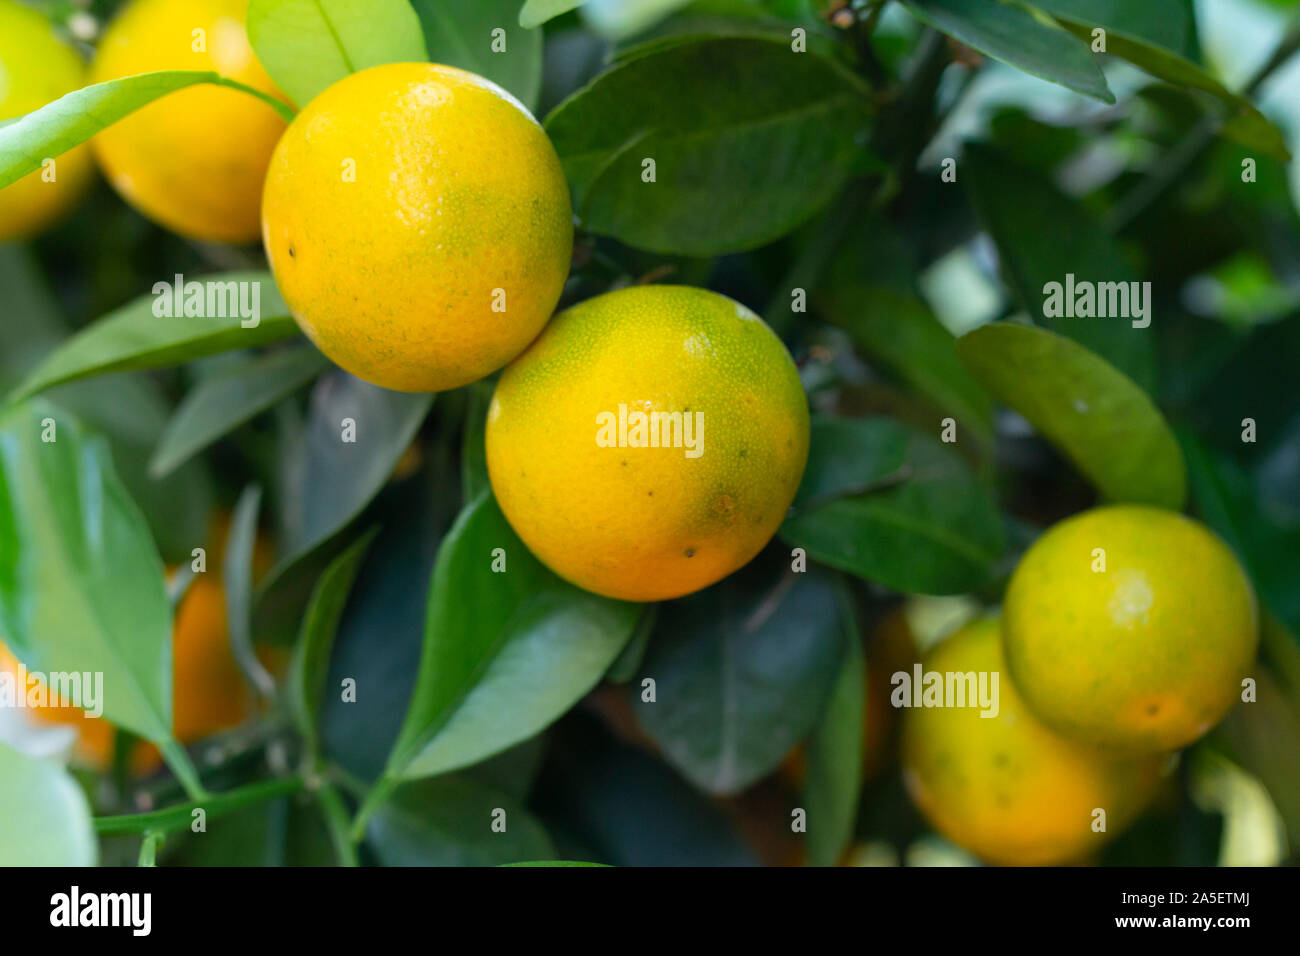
[
  {"x": 645, "y": 523},
  {"x": 403, "y": 204},
  {"x": 209, "y": 693},
  {"x": 1145, "y": 656},
  {"x": 195, "y": 160},
  {"x": 1007, "y": 788},
  {"x": 36, "y": 68}
]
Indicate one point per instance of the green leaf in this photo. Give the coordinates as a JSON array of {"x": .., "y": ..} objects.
[
  {"x": 44, "y": 816},
  {"x": 1261, "y": 737},
  {"x": 725, "y": 120},
  {"x": 383, "y": 426},
  {"x": 618, "y": 19},
  {"x": 460, "y": 33},
  {"x": 1099, "y": 419},
  {"x": 1013, "y": 203},
  {"x": 449, "y": 822},
  {"x": 308, "y": 45},
  {"x": 81, "y": 584},
  {"x": 230, "y": 397},
  {"x": 134, "y": 337},
  {"x": 742, "y": 672},
  {"x": 835, "y": 750},
  {"x": 473, "y": 449},
  {"x": 237, "y": 572},
  {"x": 505, "y": 653},
  {"x": 870, "y": 293},
  {"x": 1012, "y": 34},
  {"x": 311, "y": 657},
  {"x": 72, "y": 119},
  {"x": 1247, "y": 124},
  {"x": 537, "y": 12},
  {"x": 937, "y": 531},
  {"x": 1165, "y": 23},
  {"x": 849, "y": 456}
]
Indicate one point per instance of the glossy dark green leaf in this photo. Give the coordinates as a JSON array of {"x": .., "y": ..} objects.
[
  {"x": 630, "y": 659},
  {"x": 505, "y": 653},
  {"x": 536, "y": 12},
  {"x": 742, "y": 672},
  {"x": 308, "y": 45},
  {"x": 134, "y": 337},
  {"x": 461, "y": 33},
  {"x": 849, "y": 456},
  {"x": 835, "y": 749},
  {"x": 81, "y": 583},
  {"x": 54, "y": 129},
  {"x": 230, "y": 397},
  {"x": 311, "y": 657},
  {"x": 356, "y": 434},
  {"x": 937, "y": 531},
  {"x": 1013, "y": 203},
  {"x": 1010, "y": 33},
  {"x": 1166, "y": 23},
  {"x": 449, "y": 822},
  {"x": 44, "y": 816},
  {"x": 1091, "y": 412},
  {"x": 725, "y": 120},
  {"x": 870, "y": 293}
]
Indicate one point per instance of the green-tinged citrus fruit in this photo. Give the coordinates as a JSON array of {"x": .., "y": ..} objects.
[
  {"x": 1006, "y": 787},
  {"x": 418, "y": 223},
  {"x": 1130, "y": 627},
  {"x": 195, "y": 160},
  {"x": 649, "y": 442},
  {"x": 36, "y": 68}
]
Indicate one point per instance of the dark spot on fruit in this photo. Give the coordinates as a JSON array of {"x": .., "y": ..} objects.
[
  {"x": 724, "y": 504},
  {"x": 1000, "y": 760},
  {"x": 1153, "y": 709},
  {"x": 623, "y": 463},
  {"x": 690, "y": 552},
  {"x": 650, "y": 493},
  {"x": 291, "y": 252},
  {"x": 744, "y": 453}
]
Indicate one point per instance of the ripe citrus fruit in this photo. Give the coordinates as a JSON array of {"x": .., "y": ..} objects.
[
  {"x": 36, "y": 68},
  {"x": 639, "y": 507},
  {"x": 1006, "y": 787},
  {"x": 193, "y": 161},
  {"x": 209, "y": 693},
  {"x": 1130, "y": 627},
  {"x": 418, "y": 224}
]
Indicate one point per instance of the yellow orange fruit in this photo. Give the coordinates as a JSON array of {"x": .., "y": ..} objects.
[
  {"x": 648, "y": 523},
  {"x": 1130, "y": 627},
  {"x": 195, "y": 160},
  {"x": 418, "y": 224},
  {"x": 1006, "y": 787},
  {"x": 36, "y": 68}
]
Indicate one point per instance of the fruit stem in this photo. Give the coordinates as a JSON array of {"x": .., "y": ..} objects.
[{"x": 179, "y": 817}]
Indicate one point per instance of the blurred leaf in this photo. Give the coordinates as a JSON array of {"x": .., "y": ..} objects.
[
  {"x": 632, "y": 657},
  {"x": 311, "y": 657},
  {"x": 1267, "y": 545},
  {"x": 624, "y": 18},
  {"x": 54, "y": 129},
  {"x": 724, "y": 119},
  {"x": 1167, "y": 23},
  {"x": 237, "y": 577},
  {"x": 383, "y": 425},
  {"x": 537, "y": 12},
  {"x": 230, "y": 397},
  {"x": 1014, "y": 203},
  {"x": 936, "y": 531},
  {"x": 308, "y": 45},
  {"x": 81, "y": 584},
  {"x": 1012, "y": 34},
  {"x": 742, "y": 671},
  {"x": 473, "y": 454},
  {"x": 627, "y": 809},
  {"x": 1099, "y": 419},
  {"x": 44, "y": 817},
  {"x": 449, "y": 822},
  {"x": 460, "y": 33},
  {"x": 1261, "y": 737},
  {"x": 133, "y": 337},
  {"x": 835, "y": 753},
  {"x": 505, "y": 653},
  {"x": 1248, "y": 125},
  {"x": 870, "y": 293}
]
